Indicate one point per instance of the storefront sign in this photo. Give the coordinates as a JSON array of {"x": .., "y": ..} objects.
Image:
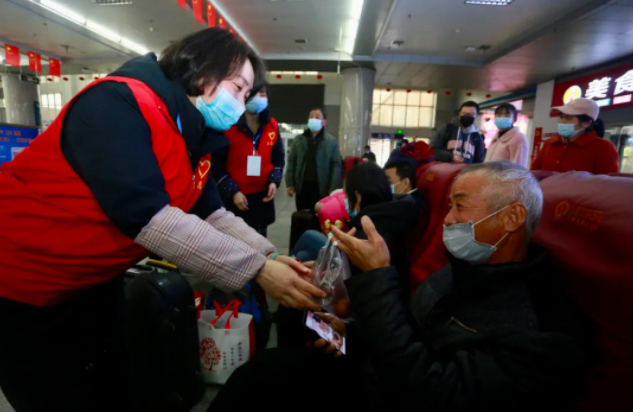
[
  {"x": 30, "y": 79},
  {"x": 382, "y": 136},
  {"x": 13, "y": 140},
  {"x": 610, "y": 89},
  {"x": 536, "y": 147}
]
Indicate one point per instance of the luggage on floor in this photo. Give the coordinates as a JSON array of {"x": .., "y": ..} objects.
[
  {"x": 163, "y": 341},
  {"x": 301, "y": 221}
]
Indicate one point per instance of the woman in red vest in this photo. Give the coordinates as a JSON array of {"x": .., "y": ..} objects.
[
  {"x": 249, "y": 171},
  {"x": 121, "y": 173}
]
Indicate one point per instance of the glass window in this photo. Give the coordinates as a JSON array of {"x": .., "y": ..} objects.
[
  {"x": 399, "y": 108},
  {"x": 399, "y": 116},
  {"x": 44, "y": 99},
  {"x": 413, "y": 98},
  {"x": 58, "y": 100},
  {"x": 400, "y": 97},
  {"x": 413, "y": 115}
]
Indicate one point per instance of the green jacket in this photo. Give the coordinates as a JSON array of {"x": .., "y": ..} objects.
[{"x": 329, "y": 163}]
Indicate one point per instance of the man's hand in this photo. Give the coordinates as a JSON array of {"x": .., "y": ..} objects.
[
  {"x": 291, "y": 191},
  {"x": 336, "y": 324},
  {"x": 240, "y": 201},
  {"x": 272, "y": 191},
  {"x": 365, "y": 254},
  {"x": 458, "y": 159},
  {"x": 283, "y": 284},
  {"x": 301, "y": 269}
]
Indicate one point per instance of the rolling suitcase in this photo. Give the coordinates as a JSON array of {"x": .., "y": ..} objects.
[
  {"x": 163, "y": 341},
  {"x": 301, "y": 221}
]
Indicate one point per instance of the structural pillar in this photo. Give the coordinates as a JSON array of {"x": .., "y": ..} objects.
[
  {"x": 356, "y": 110},
  {"x": 21, "y": 100}
]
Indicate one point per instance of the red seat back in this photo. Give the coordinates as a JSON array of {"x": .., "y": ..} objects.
[
  {"x": 587, "y": 227},
  {"x": 434, "y": 183},
  {"x": 348, "y": 163},
  {"x": 629, "y": 175}
]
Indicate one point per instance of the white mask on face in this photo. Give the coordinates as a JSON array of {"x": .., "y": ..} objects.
[{"x": 459, "y": 239}]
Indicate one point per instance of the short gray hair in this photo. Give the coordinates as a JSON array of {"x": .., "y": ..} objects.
[{"x": 511, "y": 183}]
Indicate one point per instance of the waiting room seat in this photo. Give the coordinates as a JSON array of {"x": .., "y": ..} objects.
[
  {"x": 434, "y": 183},
  {"x": 587, "y": 225}
]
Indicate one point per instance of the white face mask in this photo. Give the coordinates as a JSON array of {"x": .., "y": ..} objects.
[{"x": 459, "y": 239}]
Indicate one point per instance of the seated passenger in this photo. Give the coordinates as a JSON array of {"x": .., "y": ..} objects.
[
  {"x": 368, "y": 193},
  {"x": 492, "y": 332}
]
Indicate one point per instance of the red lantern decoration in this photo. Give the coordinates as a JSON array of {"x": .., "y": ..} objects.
[
  {"x": 82, "y": 79},
  {"x": 96, "y": 77},
  {"x": 408, "y": 90},
  {"x": 65, "y": 79},
  {"x": 319, "y": 76},
  {"x": 297, "y": 76},
  {"x": 388, "y": 90},
  {"x": 488, "y": 96},
  {"x": 469, "y": 94},
  {"x": 429, "y": 91},
  {"x": 50, "y": 79},
  {"x": 447, "y": 93},
  {"x": 279, "y": 76}
]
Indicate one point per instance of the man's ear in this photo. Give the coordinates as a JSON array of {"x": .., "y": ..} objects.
[
  {"x": 324, "y": 122},
  {"x": 515, "y": 217}
]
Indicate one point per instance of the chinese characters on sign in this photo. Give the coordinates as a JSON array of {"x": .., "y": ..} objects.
[
  {"x": 612, "y": 88},
  {"x": 13, "y": 140}
]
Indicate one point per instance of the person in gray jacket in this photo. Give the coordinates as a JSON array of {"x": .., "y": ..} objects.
[{"x": 460, "y": 143}]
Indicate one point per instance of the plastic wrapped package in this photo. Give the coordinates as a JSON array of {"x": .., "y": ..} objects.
[{"x": 329, "y": 273}]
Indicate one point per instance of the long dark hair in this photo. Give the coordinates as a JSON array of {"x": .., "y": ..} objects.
[
  {"x": 371, "y": 182},
  {"x": 208, "y": 57}
]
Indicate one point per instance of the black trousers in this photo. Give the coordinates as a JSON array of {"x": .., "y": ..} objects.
[
  {"x": 309, "y": 196},
  {"x": 302, "y": 379},
  {"x": 70, "y": 357}
]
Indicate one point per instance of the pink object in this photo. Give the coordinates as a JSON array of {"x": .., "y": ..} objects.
[
  {"x": 512, "y": 146},
  {"x": 331, "y": 211}
]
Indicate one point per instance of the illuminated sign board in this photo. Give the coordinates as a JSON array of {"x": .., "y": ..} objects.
[{"x": 610, "y": 89}]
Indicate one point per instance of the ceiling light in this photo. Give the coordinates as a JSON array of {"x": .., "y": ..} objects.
[
  {"x": 111, "y": 2},
  {"x": 471, "y": 48},
  {"x": 63, "y": 11},
  {"x": 351, "y": 31},
  {"x": 489, "y": 2}
]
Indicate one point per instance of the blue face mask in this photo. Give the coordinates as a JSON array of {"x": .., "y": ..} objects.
[
  {"x": 352, "y": 213},
  {"x": 566, "y": 130},
  {"x": 503, "y": 123},
  {"x": 315, "y": 124},
  {"x": 257, "y": 105},
  {"x": 222, "y": 113}
]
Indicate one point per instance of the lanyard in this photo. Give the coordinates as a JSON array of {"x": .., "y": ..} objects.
[{"x": 255, "y": 140}]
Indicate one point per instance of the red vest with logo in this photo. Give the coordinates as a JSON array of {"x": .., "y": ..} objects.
[
  {"x": 55, "y": 240},
  {"x": 241, "y": 148}
]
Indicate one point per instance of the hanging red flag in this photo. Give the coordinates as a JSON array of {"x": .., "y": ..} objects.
[
  {"x": 11, "y": 55},
  {"x": 197, "y": 10},
  {"x": 210, "y": 15},
  {"x": 183, "y": 4},
  {"x": 54, "y": 67},
  {"x": 222, "y": 23},
  {"x": 35, "y": 62}
]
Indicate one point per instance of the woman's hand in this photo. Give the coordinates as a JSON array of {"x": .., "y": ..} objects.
[
  {"x": 291, "y": 191},
  {"x": 272, "y": 191},
  {"x": 240, "y": 201},
  {"x": 365, "y": 254},
  {"x": 339, "y": 326},
  {"x": 283, "y": 284},
  {"x": 301, "y": 269}
]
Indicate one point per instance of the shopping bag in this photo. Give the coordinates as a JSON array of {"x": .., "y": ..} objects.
[
  {"x": 329, "y": 273},
  {"x": 226, "y": 341}
]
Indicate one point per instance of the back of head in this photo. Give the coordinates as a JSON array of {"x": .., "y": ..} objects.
[
  {"x": 370, "y": 182},
  {"x": 406, "y": 170},
  {"x": 208, "y": 57},
  {"x": 510, "y": 183}
]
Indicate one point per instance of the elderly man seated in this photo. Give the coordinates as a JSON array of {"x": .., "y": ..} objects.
[{"x": 491, "y": 331}]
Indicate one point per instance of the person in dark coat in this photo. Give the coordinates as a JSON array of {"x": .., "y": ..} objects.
[
  {"x": 461, "y": 142},
  {"x": 368, "y": 193},
  {"x": 248, "y": 193},
  {"x": 369, "y": 155},
  {"x": 491, "y": 331}
]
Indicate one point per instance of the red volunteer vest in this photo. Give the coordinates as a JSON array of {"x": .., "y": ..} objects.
[
  {"x": 55, "y": 239},
  {"x": 241, "y": 147}
]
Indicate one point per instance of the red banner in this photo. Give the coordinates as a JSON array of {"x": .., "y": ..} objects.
[
  {"x": 211, "y": 15},
  {"x": 35, "y": 62},
  {"x": 183, "y": 4},
  {"x": 197, "y": 10},
  {"x": 54, "y": 67},
  {"x": 222, "y": 23},
  {"x": 11, "y": 55},
  {"x": 536, "y": 147},
  {"x": 610, "y": 89}
]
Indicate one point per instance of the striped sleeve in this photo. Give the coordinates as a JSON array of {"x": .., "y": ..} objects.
[{"x": 198, "y": 248}]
